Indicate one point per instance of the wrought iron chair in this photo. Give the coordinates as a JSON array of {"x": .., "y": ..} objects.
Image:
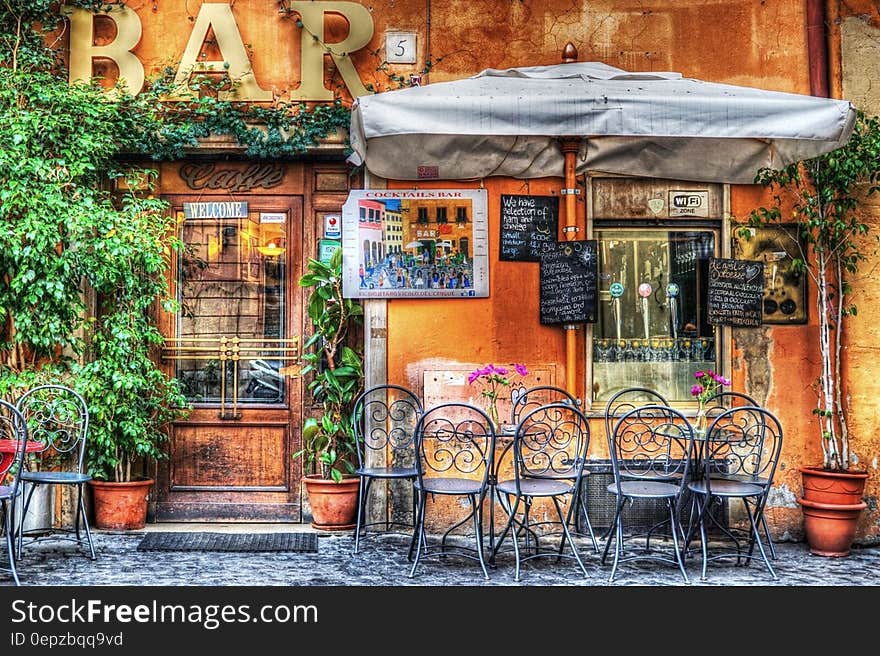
[
  {"x": 739, "y": 456},
  {"x": 455, "y": 445},
  {"x": 384, "y": 419},
  {"x": 530, "y": 398},
  {"x": 57, "y": 418},
  {"x": 549, "y": 453},
  {"x": 651, "y": 449},
  {"x": 619, "y": 404},
  {"x": 14, "y": 433},
  {"x": 715, "y": 405}
]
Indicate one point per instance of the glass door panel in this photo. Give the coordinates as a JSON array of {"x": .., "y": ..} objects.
[{"x": 231, "y": 346}]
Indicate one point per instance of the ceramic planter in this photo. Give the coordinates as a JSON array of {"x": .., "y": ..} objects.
[
  {"x": 832, "y": 504},
  {"x": 830, "y": 528},
  {"x": 121, "y": 506},
  {"x": 334, "y": 505},
  {"x": 837, "y": 487}
]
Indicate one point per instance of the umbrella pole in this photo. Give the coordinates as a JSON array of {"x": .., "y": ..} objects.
[{"x": 570, "y": 147}]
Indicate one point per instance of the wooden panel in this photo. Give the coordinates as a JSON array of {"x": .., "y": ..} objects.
[
  {"x": 228, "y": 457},
  {"x": 627, "y": 198},
  {"x": 331, "y": 181}
]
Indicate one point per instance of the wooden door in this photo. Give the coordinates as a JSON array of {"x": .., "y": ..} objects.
[{"x": 234, "y": 344}]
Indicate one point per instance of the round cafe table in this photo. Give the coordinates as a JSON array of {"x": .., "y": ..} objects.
[{"x": 8, "y": 448}]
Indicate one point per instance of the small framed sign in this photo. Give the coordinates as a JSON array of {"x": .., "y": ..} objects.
[{"x": 326, "y": 248}]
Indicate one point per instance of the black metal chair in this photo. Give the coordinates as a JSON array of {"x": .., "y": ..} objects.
[
  {"x": 549, "y": 452},
  {"x": 455, "y": 445},
  {"x": 57, "y": 418},
  {"x": 530, "y": 398},
  {"x": 715, "y": 405},
  {"x": 619, "y": 404},
  {"x": 650, "y": 449},
  {"x": 384, "y": 419},
  {"x": 737, "y": 461},
  {"x": 13, "y": 432}
]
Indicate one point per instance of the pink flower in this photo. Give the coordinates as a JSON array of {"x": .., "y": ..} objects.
[
  {"x": 709, "y": 384},
  {"x": 493, "y": 378}
]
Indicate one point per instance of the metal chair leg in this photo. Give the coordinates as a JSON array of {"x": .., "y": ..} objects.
[{"x": 81, "y": 511}]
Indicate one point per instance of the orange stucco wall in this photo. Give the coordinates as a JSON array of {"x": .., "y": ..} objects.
[{"x": 744, "y": 42}]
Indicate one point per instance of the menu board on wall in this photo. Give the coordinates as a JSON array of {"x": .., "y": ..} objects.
[
  {"x": 527, "y": 223},
  {"x": 569, "y": 282},
  {"x": 735, "y": 293}
]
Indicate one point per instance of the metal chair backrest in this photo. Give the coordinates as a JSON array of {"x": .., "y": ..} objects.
[
  {"x": 13, "y": 429},
  {"x": 742, "y": 443},
  {"x": 58, "y": 418},
  {"x": 651, "y": 442},
  {"x": 532, "y": 397},
  {"x": 721, "y": 401},
  {"x": 455, "y": 440},
  {"x": 627, "y": 399},
  {"x": 384, "y": 418},
  {"x": 551, "y": 441}
]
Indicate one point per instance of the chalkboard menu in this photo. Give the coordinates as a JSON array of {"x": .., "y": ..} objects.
[
  {"x": 569, "y": 282},
  {"x": 527, "y": 223},
  {"x": 736, "y": 290}
]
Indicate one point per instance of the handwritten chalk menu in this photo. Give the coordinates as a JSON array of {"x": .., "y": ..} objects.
[
  {"x": 736, "y": 290},
  {"x": 527, "y": 223},
  {"x": 569, "y": 282}
]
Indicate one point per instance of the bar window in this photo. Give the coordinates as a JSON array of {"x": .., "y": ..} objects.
[{"x": 652, "y": 329}]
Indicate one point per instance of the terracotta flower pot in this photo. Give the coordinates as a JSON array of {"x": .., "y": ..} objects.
[
  {"x": 830, "y": 528},
  {"x": 837, "y": 487},
  {"x": 334, "y": 505},
  {"x": 121, "y": 506}
]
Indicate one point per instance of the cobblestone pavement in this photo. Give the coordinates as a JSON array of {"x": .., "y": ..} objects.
[{"x": 383, "y": 562}]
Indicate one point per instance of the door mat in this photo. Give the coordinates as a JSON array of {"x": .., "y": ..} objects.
[{"x": 177, "y": 541}]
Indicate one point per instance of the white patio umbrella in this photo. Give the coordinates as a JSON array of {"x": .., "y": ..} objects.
[
  {"x": 508, "y": 122},
  {"x": 571, "y": 118}
]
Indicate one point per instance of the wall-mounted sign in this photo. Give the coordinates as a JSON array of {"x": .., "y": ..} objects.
[
  {"x": 689, "y": 203},
  {"x": 734, "y": 292},
  {"x": 332, "y": 226},
  {"x": 227, "y": 209},
  {"x": 569, "y": 282},
  {"x": 527, "y": 223},
  {"x": 400, "y": 47},
  {"x": 208, "y": 176},
  {"x": 130, "y": 28},
  {"x": 410, "y": 243},
  {"x": 326, "y": 248}
]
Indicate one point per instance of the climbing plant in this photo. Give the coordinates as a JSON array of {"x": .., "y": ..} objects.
[
  {"x": 79, "y": 232},
  {"x": 84, "y": 245},
  {"x": 820, "y": 201}
]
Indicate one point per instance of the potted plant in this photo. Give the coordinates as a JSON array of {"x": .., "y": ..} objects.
[
  {"x": 824, "y": 196},
  {"x": 83, "y": 262},
  {"x": 328, "y": 441},
  {"x": 130, "y": 398}
]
